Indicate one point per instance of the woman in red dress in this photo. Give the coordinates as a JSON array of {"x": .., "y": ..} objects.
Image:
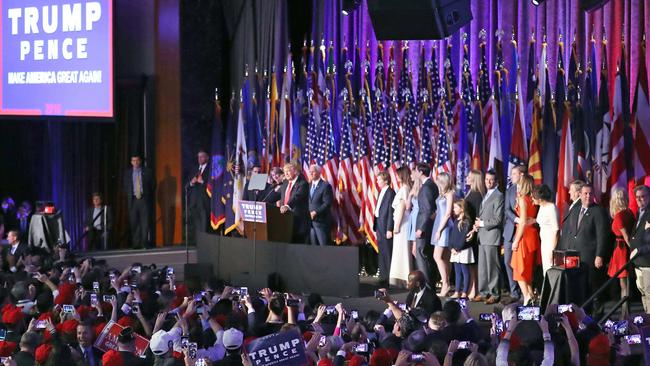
[
  {"x": 622, "y": 225},
  {"x": 526, "y": 243}
]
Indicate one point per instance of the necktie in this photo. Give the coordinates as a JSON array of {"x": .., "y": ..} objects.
[
  {"x": 23, "y": 224},
  {"x": 582, "y": 213},
  {"x": 641, "y": 212},
  {"x": 415, "y": 300},
  {"x": 138, "y": 185},
  {"x": 288, "y": 193},
  {"x": 313, "y": 188}
]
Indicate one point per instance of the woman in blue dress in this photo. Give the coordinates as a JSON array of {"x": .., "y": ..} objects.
[
  {"x": 441, "y": 227},
  {"x": 412, "y": 204}
]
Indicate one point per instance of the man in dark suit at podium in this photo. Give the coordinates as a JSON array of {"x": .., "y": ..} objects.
[
  {"x": 294, "y": 194},
  {"x": 197, "y": 196},
  {"x": 320, "y": 204},
  {"x": 139, "y": 186}
]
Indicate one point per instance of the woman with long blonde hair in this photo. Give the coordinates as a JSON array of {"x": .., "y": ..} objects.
[
  {"x": 622, "y": 225},
  {"x": 441, "y": 227},
  {"x": 474, "y": 197},
  {"x": 526, "y": 242},
  {"x": 412, "y": 205}
]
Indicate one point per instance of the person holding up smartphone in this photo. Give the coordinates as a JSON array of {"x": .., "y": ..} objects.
[{"x": 504, "y": 346}]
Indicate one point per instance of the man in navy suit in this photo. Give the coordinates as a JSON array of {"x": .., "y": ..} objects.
[
  {"x": 294, "y": 194},
  {"x": 320, "y": 204},
  {"x": 197, "y": 196},
  {"x": 424, "y": 221},
  {"x": 384, "y": 224}
]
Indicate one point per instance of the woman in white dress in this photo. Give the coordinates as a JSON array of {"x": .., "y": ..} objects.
[
  {"x": 548, "y": 223},
  {"x": 400, "y": 265}
]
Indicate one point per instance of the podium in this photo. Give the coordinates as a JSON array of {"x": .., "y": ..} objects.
[{"x": 263, "y": 221}]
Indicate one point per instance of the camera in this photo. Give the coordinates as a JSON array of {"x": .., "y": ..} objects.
[
  {"x": 93, "y": 299},
  {"x": 619, "y": 328},
  {"x": 107, "y": 298},
  {"x": 361, "y": 348},
  {"x": 379, "y": 294},
  {"x": 192, "y": 349},
  {"x": 528, "y": 313},
  {"x": 330, "y": 310},
  {"x": 564, "y": 308},
  {"x": 633, "y": 339},
  {"x": 485, "y": 317},
  {"x": 416, "y": 357},
  {"x": 96, "y": 286},
  {"x": 293, "y": 302},
  {"x": 243, "y": 291},
  {"x": 68, "y": 309},
  {"x": 41, "y": 324},
  {"x": 464, "y": 345}
]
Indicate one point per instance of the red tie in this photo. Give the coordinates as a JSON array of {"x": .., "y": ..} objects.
[{"x": 288, "y": 193}]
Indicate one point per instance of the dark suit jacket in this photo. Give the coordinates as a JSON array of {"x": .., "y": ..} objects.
[
  {"x": 591, "y": 238},
  {"x": 321, "y": 202},
  {"x": 20, "y": 252},
  {"x": 426, "y": 208},
  {"x": 148, "y": 185},
  {"x": 509, "y": 212},
  {"x": 97, "y": 356},
  {"x": 384, "y": 221},
  {"x": 107, "y": 211},
  {"x": 298, "y": 201},
  {"x": 566, "y": 234},
  {"x": 197, "y": 195},
  {"x": 429, "y": 301},
  {"x": 638, "y": 239}
]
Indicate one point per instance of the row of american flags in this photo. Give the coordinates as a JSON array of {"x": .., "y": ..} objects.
[{"x": 327, "y": 112}]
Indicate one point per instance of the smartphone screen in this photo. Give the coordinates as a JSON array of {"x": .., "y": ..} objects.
[
  {"x": 464, "y": 345},
  {"x": 321, "y": 342},
  {"x": 93, "y": 299},
  {"x": 564, "y": 308},
  {"x": 185, "y": 340},
  {"x": 354, "y": 314},
  {"x": 633, "y": 339},
  {"x": 528, "y": 312},
  {"x": 192, "y": 349},
  {"x": 68, "y": 309},
  {"x": 485, "y": 317},
  {"x": 96, "y": 286}
]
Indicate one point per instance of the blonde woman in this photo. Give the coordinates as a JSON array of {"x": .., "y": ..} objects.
[
  {"x": 474, "y": 197},
  {"x": 622, "y": 225},
  {"x": 526, "y": 243},
  {"x": 412, "y": 205},
  {"x": 441, "y": 227}
]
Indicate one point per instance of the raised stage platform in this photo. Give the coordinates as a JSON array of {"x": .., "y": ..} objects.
[
  {"x": 174, "y": 256},
  {"x": 328, "y": 270}
]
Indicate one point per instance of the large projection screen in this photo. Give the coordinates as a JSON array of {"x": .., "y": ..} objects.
[{"x": 57, "y": 58}]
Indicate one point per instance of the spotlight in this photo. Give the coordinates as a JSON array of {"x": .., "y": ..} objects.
[
  {"x": 537, "y": 2},
  {"x": 349, "y": 6}
]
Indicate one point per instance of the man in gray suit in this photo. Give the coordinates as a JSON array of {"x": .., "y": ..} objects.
[
  {"x": 424, "y": 221},
  {"x": 490, "y": 225},
  {"x": 509, "y": 228}
]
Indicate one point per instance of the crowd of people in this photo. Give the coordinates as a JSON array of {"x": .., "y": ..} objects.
[{"x": 56, "y": 306}]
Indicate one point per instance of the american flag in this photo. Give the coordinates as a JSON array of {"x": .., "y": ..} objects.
[
  {"x": 346, "y": 194},
  {"x": 484, "y": 90},
  {"x": 618, "y": 176},
  {"x": 518, "y": 147},
  {"x": 466, "y": 126},
  {"x": 433, "y": 86},
  {"x": 602, "y": 130},
  {"x": 309, "y": 154},
  {"x": 534, "y": 162},
  {"x": 363, "y": 169},
  {"x": 443, "y": 158},
  {"x": 408, "y": 111},
  {"x": 394, "y": 138},
  {"x": 642, "y": 119},
  {"x": 426, "y": 153}
]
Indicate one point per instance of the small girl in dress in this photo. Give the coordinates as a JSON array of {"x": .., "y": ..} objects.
[{"x": 460, "y": 241}]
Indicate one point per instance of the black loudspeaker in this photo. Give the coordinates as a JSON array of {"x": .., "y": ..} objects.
[
  {"x": 589, "y": 5},
  {"x": 418, "y": 19},
  {"x": 201, "y": 271}
]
